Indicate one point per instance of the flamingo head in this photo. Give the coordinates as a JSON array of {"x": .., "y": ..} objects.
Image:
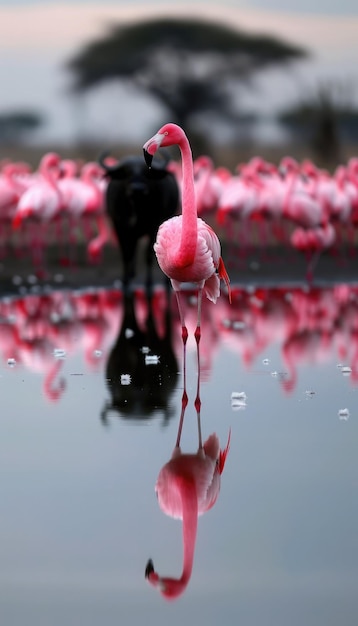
[
  {"x": 170, "y": 588},
  {"x": 50, "y": 162},
  {"x": 288, "y": 165},
  {"x": 19, "y": 217},
  {"x": 167, "y": 135}
]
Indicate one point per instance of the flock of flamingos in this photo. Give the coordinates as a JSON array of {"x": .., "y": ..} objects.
[{"x": 294, "y": 204}]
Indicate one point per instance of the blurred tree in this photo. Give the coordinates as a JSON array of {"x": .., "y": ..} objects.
[
  {"x": 325, "y": 119},
  {"x": 14, "y": 125},
  {"x": 192, "y": 67}
]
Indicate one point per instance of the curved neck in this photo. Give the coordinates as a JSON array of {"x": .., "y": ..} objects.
[
  {"x": 89, "y": 177},
  {"x": 46, "y": 169},
  {"x": 174, "y": 587},
  {"x": 188, "y": 239},
  {"x": 190, "y": 525}
]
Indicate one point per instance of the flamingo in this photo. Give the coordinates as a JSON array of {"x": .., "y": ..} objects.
[
  {"x": 42, "y": 201},
  {"x": 188, "y": 486},
  {"x": 187, "y": 249}
]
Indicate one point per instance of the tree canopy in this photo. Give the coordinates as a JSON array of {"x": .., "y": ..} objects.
[
  {"x": 190, "y": 66},
  {"x": 15, "y": 124},
  {"x": 324, "y": 117}
]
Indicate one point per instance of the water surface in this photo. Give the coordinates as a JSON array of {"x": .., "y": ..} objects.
[{"x": 81, "y": 448}]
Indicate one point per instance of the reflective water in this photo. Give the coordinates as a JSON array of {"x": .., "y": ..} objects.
[{"x": 91, "y": 394}]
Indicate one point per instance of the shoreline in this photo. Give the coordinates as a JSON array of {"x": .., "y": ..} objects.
[{"x": 273, "y": 266}]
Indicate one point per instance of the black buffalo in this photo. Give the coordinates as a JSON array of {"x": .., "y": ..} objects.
[{"x": 138, "y": 200}]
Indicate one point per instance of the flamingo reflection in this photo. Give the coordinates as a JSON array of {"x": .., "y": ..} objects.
[
  {"x": 188, "y": 486},
  {"x": 142, "y": 368}
]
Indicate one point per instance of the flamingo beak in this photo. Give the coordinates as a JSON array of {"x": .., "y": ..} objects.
[
  {"x": 150, "y": 573},
  {"x": 149, "y": 569},
  {"x": 151, "y": 146},
  {"x": 148, "y": 158}
]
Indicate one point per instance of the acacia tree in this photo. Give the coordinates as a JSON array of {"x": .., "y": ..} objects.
[
  {"x": 325, "y": 118},
  {"x": 14, "y": 125},
  {"x": 190, "y": 66}
]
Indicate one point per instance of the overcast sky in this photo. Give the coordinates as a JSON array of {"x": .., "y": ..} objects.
[
  {"x": 342, "y": 7},
  {"x": 36, "y": 39}
]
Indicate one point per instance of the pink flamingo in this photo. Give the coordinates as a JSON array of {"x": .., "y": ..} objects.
[
  {"x": 84, "y": 199},
  {"x": 313, "y": 241},
  {"x": 208, "y": 184},
  {"x": 187, "y": 249},
  {"x": 188, "y": 486},
  {"x": 41, "y": 201},
  {"x": 237, "y": 204}
]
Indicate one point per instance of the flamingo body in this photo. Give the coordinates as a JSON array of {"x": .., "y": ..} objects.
[
  {"x": 187, "y": 249},
  {"x": 202, "y": 468},
  {"x": 206, "y": 267}
]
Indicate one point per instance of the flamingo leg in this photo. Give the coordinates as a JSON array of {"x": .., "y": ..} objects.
[
  {"x": 312, "y": 264},
  {"x": 197, "y": 336},
  {"x": 184, "y": 403},
  {"x": 197, "y": 333},
  {"x": 198, "y": 407},
  {"x": 184, "y": 336}
]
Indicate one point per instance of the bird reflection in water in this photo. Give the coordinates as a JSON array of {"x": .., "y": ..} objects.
[
  {"x": 142, "y": 368},
  {"x": 188, "y": 486}
]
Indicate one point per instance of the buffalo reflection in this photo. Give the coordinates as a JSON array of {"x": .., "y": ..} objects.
[
  {"x": 142, "y": 368},
  {"x": 188, "y": 486}
]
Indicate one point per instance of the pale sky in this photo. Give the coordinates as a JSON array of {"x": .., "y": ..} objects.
[
  {"x": 344, "y": 7},
  {"x": 36, "y": 38}
]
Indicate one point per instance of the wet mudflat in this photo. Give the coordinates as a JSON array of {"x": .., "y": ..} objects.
[{"x": 91, "y": 394}]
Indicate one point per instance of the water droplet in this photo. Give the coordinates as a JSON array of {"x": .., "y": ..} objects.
[
  {"x": 346, "y": 370},
  {"x": 152, "y": 359},
  {"x": 128, "y": 333},
  {"x": 126, "y": 379},
  {"x": 238, "y": 400},
  {"x": 59, "y": 353},
  {"x": 279, "y": 375},
  {"x": 11, "y": 362},
  {"x": 266, "y": 361},
  {"x": 16, "y": 280},
  {"x": 343, "y": 414},
  {"x": 97, "y": 353},
  {"x": 309, "y": 394},
  {"x": 238, "y": 325},
  {"x": 58, "y": 278},
  {"x": 32, "y": 279},
  {"x": 145, "y": 349}
]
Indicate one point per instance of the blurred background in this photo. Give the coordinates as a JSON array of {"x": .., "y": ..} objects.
[{"x": 268, "y": 77}]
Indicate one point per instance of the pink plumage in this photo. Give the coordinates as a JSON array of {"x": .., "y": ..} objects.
[{"x": 187, "y": 249}]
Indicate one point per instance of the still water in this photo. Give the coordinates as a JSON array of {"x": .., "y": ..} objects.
[{"x": 91, "y": 394}]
